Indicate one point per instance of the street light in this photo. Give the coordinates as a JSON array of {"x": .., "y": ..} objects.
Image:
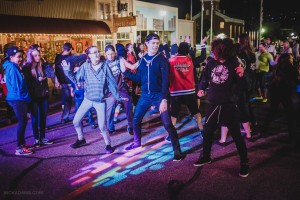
[{"x": 163, "y": 13}]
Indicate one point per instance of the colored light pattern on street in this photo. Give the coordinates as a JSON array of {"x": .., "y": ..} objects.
[{"x": 132, "y": 163}]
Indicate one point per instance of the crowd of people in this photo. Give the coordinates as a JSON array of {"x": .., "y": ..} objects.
[{"x": 150, "y": 75}]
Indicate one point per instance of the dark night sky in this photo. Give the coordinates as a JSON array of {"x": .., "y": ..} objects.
[{"x": 233, "y": 8}]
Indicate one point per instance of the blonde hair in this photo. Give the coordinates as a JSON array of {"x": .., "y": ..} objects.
[{"x": 30, "y": 61}]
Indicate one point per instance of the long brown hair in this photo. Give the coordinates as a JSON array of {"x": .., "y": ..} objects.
[
  {"x": 245, "y": 45},
  {"x": 35, "y": 67}
]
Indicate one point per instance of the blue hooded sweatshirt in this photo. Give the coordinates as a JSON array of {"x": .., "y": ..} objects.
[{"x": 15, "y": 83}]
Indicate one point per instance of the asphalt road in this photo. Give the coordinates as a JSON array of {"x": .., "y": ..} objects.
[{"x": 59, "y": 172}]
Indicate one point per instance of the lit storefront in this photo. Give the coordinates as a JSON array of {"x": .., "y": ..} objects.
[
  {"x": 51, "y": 34},
  {"x": 155, "y": 18}
]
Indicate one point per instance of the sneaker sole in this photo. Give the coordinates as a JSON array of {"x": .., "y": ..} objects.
[
  {"x": 199, "y": 165},
  {"x": 23, "y": 154},
  {"x": 244, "y": 176},
  {"x": 133, "y": 149},
  {"x": 177, "y": 160},
  {"x": 48, "y": 143}
]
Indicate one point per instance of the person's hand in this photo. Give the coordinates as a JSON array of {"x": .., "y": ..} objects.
[
  {"x": 41, "y": 78},
  {"x": 201, "y": 93},
  {"x": 203, "y": 41},
  {"x": 57, "y": 85},
  {"x": 76, "y": 68},
  {"x": 65, "y": 65},
  {"x": 187, "y": 39},
  {"x": 239, "y": 70},
  {"x": 124, "y": 99},
  {"x": 163, "y": 107}
]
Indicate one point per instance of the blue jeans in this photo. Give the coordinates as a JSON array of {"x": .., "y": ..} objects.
[
  {"x": 78, "y": 98},
  {"x": 144, "y": 103},
  {"x": 20, "y": 109},
  {"x": 66, "y": 100},
  {"x": 128, "y": 108},
  {"x": 39, "y": 109}
]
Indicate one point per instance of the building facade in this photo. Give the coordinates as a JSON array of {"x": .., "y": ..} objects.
[
  {"x": 222, "y": 25},
  {"x": 117, "y": 21}
]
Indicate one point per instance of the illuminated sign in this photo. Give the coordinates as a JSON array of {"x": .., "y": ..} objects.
[{"x": 125, "y": 21}]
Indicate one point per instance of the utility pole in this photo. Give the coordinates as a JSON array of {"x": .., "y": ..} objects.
[
  {"x": 261, "y": 19},
  {"x": 191, "y": 16},
  {"x": 211, "y": 20},
  {"x": 202, "y": 10}
]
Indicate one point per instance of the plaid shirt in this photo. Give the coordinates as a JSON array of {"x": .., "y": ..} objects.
[{"x": 97, "y": 84}]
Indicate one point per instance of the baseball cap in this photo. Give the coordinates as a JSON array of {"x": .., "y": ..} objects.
[
  {"x": 152, "y": 36},
  {"x": 12, "y": 51}
]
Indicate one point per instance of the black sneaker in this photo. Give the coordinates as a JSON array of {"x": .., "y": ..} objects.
[
  {"x": 78, "y": 143},
  {"x": 202, "y": 161},
  {"x": 179, "y": 157},
  {"x": 132, "y": 147},
  {"x": 64, "y": 121},
  {"x": 244, "y": 170},
  {"x": 109, "y": 149},
  {"x": 168, "y": 139}
]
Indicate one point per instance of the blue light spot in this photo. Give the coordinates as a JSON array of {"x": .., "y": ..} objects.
[
  {"x": 101, "y": 182},
  {"x": 134, "y": 164},
  {"x": 156, "y": 167},
  {"x": 167, "y": 149},
  {"x": 116, "y": 178}
]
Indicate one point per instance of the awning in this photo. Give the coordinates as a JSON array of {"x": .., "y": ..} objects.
[{"x": 41, "y": 25}]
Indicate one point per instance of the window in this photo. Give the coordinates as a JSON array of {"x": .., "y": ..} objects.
[
  {"x": 123, "y": 36},
  {"x": 230, "y": 31},
  {"x": 207, "y": 12},
  {"x": 107, "y": 11},
  {"x": 101, "y": 10},
  {"x": 222, "y": 24},
  {"x": 104, "y": 11}
]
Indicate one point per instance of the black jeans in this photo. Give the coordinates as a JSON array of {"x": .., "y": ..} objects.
[
  {"x": 278, "y": 96},
  {"x": 228, "y": 115},
  {"x": 66, "y": 99},
  {"x": 144, "y": 103},
  {"x": 39, "y": 109},
  {"x": 20, "y": 109}
]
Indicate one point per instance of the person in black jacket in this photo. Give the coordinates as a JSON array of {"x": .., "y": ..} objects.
[
  {"x": 283, "y": 85},
  {"x": 36, "y": 78},
  {"x": 63, "y": 80},
  {"x": 222, "y": 75},
  {"x": 153, "y": 75}
]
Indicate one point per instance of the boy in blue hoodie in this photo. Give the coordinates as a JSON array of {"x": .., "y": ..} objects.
[
  {"x": 17, "y": 96},
  {"x": 153, "y": 75}
]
